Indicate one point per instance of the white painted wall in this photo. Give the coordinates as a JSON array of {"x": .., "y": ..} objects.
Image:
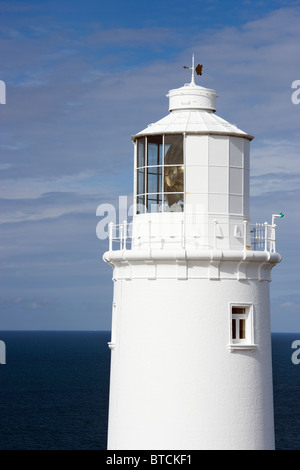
[{"x": 174, "y": 382}]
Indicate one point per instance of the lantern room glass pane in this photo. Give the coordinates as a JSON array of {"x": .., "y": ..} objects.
[
  {"x": 154, "y": 179},
  {"x": 141, "y": 152},
  {"x": 154, "y": 144},
  {"x": 173, "y": 179},
  {"x": 140, "y": 181},
  {"x": 174, "y": 149},
  {"x": 154, "y": 203},
  {"x": 173, "y": 202},
  {"x": 140, "y": 205}
]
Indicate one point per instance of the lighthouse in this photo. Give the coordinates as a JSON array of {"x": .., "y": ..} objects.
[{"x": 190, "y": 344}]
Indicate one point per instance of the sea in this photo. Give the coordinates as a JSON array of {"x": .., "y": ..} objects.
[{"x": 54, "y": 390}]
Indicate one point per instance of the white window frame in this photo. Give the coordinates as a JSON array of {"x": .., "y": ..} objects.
[
  {"x": 163, "y": 166},
  {"x": 112, "y": 342},
  {"x": 248, "y": 341}
]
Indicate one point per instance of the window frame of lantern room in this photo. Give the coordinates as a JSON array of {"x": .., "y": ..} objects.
[{"x": 152, "y": 176}]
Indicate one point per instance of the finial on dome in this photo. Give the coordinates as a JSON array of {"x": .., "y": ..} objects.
[{"x": 198, "y": 70}]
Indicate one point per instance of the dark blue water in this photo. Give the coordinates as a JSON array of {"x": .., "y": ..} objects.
[
  {"x": 286, "y": 386},
  {"x": 54, "y": 391}
]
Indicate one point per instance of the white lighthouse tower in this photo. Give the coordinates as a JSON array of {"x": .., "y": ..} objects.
[{"x": 191, "y": 342}]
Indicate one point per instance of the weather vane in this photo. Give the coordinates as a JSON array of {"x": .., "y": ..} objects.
[{"x": 198, "y": 69}]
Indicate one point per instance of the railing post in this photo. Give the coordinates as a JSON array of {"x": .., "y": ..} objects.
[
  {"x": 266, "y": 236},
  {"x": 273, "y": 238},
  {"x": 125, "y": 234},
  {"x": 245, "y": 233},
  {"x": 121, "y": 235},
  {"x": 110, "y": 235},
  {"x": 255, "y": 230}
]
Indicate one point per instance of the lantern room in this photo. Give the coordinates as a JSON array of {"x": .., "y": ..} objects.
[{"x": 194, "y": 165}]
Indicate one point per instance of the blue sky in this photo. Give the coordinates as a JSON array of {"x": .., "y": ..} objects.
[{"x": 81, "y": 78}]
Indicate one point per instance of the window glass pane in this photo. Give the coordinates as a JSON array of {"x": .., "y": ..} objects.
[
  {"x": 239, "y": 310},
  {"x": 173, "y": 202},
  {"x": 154, "y": 179},
  {"x": 140, "y": 201},
  {"x": 173, "y": 176},
  {"x": 154, "y": 203},
  {"x": 141, "y": 152},
  {"x": 154, "y": 150},
  {"x": 140, "y": 181},
  {"x": 233, "y": 328},
  {"x": 173, "y": 149},
  {"x": 242, "y": 329}
]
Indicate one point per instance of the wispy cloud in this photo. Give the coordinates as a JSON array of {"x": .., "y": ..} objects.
[
  {"x": 75, "y": 95},
  {"x": 275, "y": 164}
]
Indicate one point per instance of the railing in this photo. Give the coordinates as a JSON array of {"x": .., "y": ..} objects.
[
  {"x": 263, "y": 237},
  {"x": 119, "y": 234},
  {"x": 257, "y": 237}
]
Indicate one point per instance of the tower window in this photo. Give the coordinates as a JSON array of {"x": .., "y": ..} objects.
[
  {"x": 238, "y": 321},
  {"x": 241, "y": 325},
  {"x": 160, "y": 173}
]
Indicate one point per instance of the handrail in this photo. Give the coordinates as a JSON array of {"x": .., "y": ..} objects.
[{"x": 256, "y": 237}]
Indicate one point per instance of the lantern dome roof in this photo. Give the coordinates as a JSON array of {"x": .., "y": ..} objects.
[{"x": 192, "y": 110}]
